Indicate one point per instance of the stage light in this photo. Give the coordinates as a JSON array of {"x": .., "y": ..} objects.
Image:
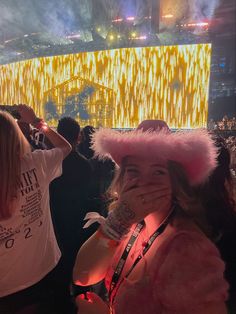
[
  {"x": 200, "y": 24},
  {"x": 73, "y": 36},
  {"x": 130, "y": 18},
  {"x": 111, "y": 37},
  {"x": 117, "y": 20},
  {"x": 118, "y": 36},
  {"x": 142, "y": 37},
  {"x": 133, "y": 34},
  {"x": 167, "y": 16},
  {"x": 98, "y": 29}
]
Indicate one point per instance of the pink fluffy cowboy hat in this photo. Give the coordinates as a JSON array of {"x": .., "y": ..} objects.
[{"x": 194, "y": 150}]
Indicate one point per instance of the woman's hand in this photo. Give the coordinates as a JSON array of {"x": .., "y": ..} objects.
[
  {"x": 93, "y": 305},
  {"x": 136, "y": 202}
]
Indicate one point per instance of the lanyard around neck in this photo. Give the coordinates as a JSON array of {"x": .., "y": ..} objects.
[{"x": 125, "y": 254}]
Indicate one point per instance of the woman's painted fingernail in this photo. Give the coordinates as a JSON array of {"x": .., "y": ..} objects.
[
  {"x": 81, "y": 296},
  {"x": 89, "y": 297}
]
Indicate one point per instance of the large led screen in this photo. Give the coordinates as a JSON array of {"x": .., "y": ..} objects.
[{"x": 115, "y": 88}]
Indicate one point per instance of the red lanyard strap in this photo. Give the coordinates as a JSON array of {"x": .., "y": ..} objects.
[
  {"x": 121, "y": 263},
  {"x": 124, "y": 256}
]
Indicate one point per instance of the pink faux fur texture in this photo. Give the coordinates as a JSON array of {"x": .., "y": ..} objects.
[{"x": 194, "y": 150}]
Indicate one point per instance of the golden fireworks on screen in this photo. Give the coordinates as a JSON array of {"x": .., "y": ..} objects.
[{"x": 115, "y": 88}]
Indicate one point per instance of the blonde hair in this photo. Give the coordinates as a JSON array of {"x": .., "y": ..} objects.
[{"x": 13, "y": 146}]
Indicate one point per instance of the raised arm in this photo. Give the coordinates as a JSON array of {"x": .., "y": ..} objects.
[
  {"x": 27, "y": 115},
  {"x": 93, "y": 259},
  {"x": 95, "y": 255}
]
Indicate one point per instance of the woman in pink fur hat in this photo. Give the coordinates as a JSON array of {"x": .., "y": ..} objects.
[{"x": 151, "y": 249}]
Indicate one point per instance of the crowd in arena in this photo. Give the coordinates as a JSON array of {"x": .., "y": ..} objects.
[
  {"x": 224, "y": 124},
  {"x": 98, "y": 221}
]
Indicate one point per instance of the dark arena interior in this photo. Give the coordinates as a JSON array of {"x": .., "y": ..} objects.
[{"x": 118, "y": 156}]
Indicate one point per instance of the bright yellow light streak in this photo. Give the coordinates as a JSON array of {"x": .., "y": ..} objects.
[{"x": 168, "y": 16}]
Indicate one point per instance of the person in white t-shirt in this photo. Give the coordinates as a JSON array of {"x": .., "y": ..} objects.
[{"x": 28, "y": 247}]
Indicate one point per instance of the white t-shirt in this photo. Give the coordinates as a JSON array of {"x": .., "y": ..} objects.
[{"x": 28, "y": 247}]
